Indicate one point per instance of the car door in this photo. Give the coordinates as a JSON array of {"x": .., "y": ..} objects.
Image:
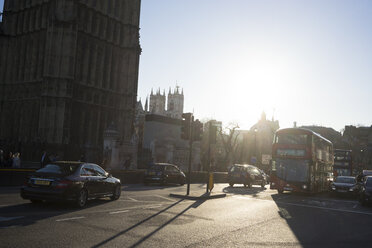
[
  {"x": 172, "y": 174},
  {"x": 88, "y": 176},
  {"x": 103, "y": 183}
]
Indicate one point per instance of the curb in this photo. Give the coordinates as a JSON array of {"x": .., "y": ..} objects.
[{"x": 202, "y": 197}]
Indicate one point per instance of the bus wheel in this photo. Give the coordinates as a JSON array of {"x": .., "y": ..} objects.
[{"x": 280, "y": 191}]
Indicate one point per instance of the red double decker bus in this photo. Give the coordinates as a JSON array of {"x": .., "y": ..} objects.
[{"x": 302, "y": 161}]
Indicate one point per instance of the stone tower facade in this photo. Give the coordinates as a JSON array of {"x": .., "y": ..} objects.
[
  {"x": 175, "y": 104},
  {"x": 157, "y": 103},
  {"x": 68, "y": 68}
]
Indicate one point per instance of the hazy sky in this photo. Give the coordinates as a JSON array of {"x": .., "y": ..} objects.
[
  {"x": 304, "y": 61},
  {"x": 311, "y": 61}
]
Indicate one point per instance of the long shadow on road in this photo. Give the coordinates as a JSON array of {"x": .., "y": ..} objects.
[
  {"x": 324, "y": 223},
  {"x": 194, "y": 205},
  {"x": 28, "y": 213}
]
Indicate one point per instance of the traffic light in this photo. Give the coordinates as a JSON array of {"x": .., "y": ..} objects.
[
  {"x": 198, "y": 130},
  {"x": 186, "y": 124}
]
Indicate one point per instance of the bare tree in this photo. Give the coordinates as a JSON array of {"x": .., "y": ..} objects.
[{"x": 229, "y": 139}]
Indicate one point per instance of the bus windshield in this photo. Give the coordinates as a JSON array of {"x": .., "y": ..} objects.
[
  {"x": 291, "y": 138},
  {"x": 292, "y": 170}
]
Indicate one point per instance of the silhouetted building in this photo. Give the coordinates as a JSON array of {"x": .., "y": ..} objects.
[
  {"x": 331, "y": 135},
  {"x": 259, "y": 142},
  {"x": 67, "y": 70},
  {"x": 174, "y": 103},
  {"x": 360, "y": 142}
]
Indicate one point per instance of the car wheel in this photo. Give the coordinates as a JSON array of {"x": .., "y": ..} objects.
[
  {"x": 117, "y": 192},
  {"x": 82, "y": 199},
  {"x": 280, "y": 191},
  {"x": 35, "y": 201},
  {"x": 231, "y": 184}
]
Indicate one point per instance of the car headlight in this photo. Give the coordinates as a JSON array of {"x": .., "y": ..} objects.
[
  {"x": 333, "y": 188},
  {"x": 351, "y": 189},
  {"x": 304, "y": 186}
]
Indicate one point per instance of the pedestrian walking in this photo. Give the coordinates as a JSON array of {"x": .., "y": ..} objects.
[{"x": 16, "y": 163}]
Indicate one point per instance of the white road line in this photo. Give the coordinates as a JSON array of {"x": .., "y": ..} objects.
[
  {"x": 132, "y": 199},
  {"x": 166, "y": 198},
  {"x": 73, "y": 218},
  {"x": 118, "y": 212},
  {"x": 325, "y": 208}
]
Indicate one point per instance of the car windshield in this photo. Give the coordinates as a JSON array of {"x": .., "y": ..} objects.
[
  {"x": 350, "y": 180},
  {"x": 292, "y": 170},
  {"x": 61, "y": 169}
]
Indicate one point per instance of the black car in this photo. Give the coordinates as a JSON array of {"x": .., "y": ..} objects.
[
  {"x": 245, "y": 174},
  {"x": 344, "y": 185},
  {"x": 70, "y": 181},
  {"x": 365, "y": 194},
  {"x": 164, "y": 173}
]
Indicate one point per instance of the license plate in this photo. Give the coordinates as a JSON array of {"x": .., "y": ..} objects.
[
  {"x": 288, "y": 188},
  {"x": 342, "y": 190},
  {"x": 42, "y": 182}
]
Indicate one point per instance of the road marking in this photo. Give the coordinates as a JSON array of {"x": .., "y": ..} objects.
[
  {"x": 10, "y": 218},
  {"x": 118, "y": 212},
  {"x": 73, "y": 218},
  {"x": 325, "y": 208},
  {"x": 153, "y": 206},
  {"x": 166, "y": 198},
  {"x": 132, "y": 199}
]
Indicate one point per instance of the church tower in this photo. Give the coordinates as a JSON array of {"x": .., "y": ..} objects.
[
  {"x": 175, "y": 103},
  {"x": 157, "y": 103}
]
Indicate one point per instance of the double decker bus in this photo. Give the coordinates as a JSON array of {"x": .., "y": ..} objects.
[
  {"x": 302, "y": 161},
  {"x": 343, "y": 163}
]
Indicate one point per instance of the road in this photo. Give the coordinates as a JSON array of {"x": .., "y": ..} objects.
[{"x": 145, "y": 216}]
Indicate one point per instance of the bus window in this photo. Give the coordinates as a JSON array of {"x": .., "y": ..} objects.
[{"x": 291, "y": 138}]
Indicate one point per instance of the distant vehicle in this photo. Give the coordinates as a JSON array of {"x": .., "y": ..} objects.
[
  {"x": 245, "y": 174},
  {"x": 364, "y": 174},
  {"x": 302, "y": 161},
  {"x": 344, "y": 185},
  {"x": 70, "y": 181},
  {"x": 343, "y": 163},
  {"x": 365, "y": 194},
  {"x": 266, "y": 177},
  {"x": 164, "y": 173}
]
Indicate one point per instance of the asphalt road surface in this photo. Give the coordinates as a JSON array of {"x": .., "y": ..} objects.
[{"x": 145, "y": 216}]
